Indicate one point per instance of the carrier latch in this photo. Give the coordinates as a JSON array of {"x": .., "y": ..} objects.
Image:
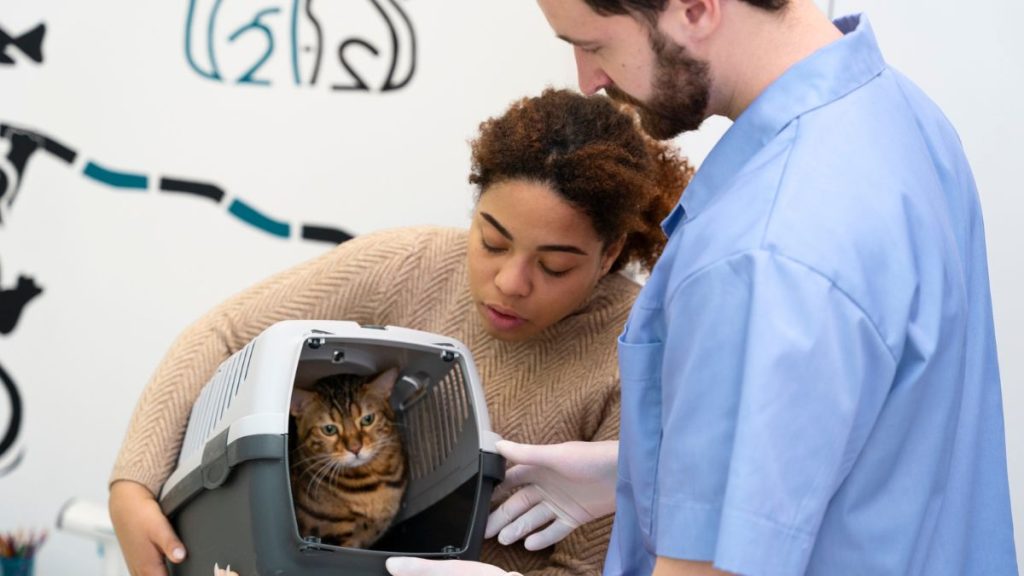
[{"x": 215, "y": 461}]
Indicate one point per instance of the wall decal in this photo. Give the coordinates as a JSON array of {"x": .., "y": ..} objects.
[
  {"x": 197, "y": 188},
  {"x": 346, "y": 45},
  {"x": 24, "y": 143},
  {"x": 12, "y": 303},
  {"x": 14, "y": 300},
  {"x": 30, "y": 44},
  {"x": 12, "y": 428},
  {"x": 114, "y": 178}
]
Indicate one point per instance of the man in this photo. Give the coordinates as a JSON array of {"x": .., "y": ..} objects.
[{"x": 809, "y": 377}]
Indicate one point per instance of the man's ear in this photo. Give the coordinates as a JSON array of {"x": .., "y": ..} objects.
[{"x": 689, "y": 22}]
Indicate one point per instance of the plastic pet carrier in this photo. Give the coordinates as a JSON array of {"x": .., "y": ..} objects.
[{"x": 230, "y": 498}]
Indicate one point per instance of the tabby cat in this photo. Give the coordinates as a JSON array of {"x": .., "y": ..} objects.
[{"x": 347, "y": 463}]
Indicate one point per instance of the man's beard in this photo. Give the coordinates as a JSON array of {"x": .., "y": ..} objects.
[{"x": 679, "y": 100}]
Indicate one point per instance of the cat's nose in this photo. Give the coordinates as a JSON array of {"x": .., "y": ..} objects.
[{"x": 354, "y": 446}]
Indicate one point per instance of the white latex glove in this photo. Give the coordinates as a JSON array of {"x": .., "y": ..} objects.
[
  {"x": 408, "y": 566},
  {"x": 560, "y": 487}
]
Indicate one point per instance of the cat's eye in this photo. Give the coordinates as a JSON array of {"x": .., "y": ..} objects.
[
  {"x": 366, "y": 420},
  {"x": 329, "y": 429}
]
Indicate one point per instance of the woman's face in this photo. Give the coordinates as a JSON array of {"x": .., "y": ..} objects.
[{"x": 533, "y": 258}]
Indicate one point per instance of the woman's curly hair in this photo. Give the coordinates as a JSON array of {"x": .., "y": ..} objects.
[{"x": 594, "y": 154}]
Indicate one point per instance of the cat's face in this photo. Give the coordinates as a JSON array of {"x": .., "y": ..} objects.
[{"x": 345, "y": 422}]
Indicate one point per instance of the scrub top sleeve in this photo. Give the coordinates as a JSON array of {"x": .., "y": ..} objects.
[{"x": 771, "y": 381}]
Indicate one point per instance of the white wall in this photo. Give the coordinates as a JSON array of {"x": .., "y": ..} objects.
[{"x": 124, "y": 271}]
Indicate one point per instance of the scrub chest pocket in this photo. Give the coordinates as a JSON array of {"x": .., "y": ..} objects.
[{"x": 640, "y": 368}]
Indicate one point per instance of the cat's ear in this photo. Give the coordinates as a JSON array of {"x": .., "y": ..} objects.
[
  {"x": 300, "y": 400},
  {"x": 384, "y": 383}
]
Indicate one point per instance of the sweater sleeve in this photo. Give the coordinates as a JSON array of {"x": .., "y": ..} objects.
[
  {"x": 343, "y": 284},
  {"x": 583, "y": 551}
]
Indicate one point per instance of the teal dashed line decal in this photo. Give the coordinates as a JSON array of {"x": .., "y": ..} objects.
[
  {"x": 251, "y": 216},
  {"x": 116, "y": 179},
  {"x": 23, "y": 143}
]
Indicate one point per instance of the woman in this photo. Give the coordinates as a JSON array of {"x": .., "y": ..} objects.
[{"x": 569, "y": 192}]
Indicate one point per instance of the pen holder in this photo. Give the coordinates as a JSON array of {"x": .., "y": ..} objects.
[{"x": 16, "y": 566}]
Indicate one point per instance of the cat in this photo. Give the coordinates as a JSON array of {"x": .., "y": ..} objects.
[{"x": 347, "y": 466}]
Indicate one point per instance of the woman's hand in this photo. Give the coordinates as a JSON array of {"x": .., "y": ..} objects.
[
  {"x": 145, "y": 534},
  {"x": 552, "y": 490}
]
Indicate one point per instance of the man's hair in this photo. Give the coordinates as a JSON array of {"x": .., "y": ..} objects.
[{"x": 651, "y": 8}]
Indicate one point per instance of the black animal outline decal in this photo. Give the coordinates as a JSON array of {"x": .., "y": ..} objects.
[
  {"x": 14, "y": 300},
  {"x": 10, "y": 435},
  {"x": 30, "y": 44},
  {"x": 401, "y": 45},
  {"x": 12, "y": 303}
]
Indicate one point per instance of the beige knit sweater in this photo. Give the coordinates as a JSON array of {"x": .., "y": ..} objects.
[{"x": 561, "y": 385}]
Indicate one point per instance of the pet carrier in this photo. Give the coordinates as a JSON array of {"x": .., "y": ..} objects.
[{"x": 230, "y": 499}]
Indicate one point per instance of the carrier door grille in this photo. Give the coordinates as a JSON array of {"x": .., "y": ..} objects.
[
  {"x": 435, "y": 422},
  {"x": 215, "y": 400}
]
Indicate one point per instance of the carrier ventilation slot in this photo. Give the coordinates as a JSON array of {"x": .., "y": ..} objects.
[
  {"x": 215, "y": 400},
  {"x": 436, "y": 421}
]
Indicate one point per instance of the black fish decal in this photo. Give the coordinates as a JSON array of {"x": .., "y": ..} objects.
[{"x": 30, "y": 44}]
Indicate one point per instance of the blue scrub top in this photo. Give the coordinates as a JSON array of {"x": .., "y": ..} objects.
[{"x": 809, "y": 377}]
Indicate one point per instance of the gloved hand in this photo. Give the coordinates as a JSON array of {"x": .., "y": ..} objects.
[
  {"x": 560, "y": 486},
  {"x": 408, "y": 566}
]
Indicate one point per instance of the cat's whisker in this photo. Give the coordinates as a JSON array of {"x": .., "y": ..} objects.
[
  {"x": 308, "y": 458},
  {"x": 305, "y": 465},
  {"x": 319, "y": 476},
  {"x": 313, "y": 462},
  {"x": 328, "y": 471},
  {"x": 310, "y": 485},
  {"x": 339, "y": 468}
]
